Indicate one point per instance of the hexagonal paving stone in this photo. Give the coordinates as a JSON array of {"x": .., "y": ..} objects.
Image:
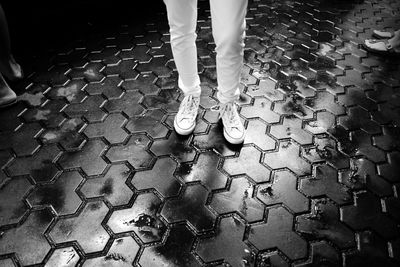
[
  {"x": 256, "y": 133},
  {"x": 250, "y": 157},
  {"x": 327, "y": 81},
  {"x": 293, "y": 106},
  {"x": 60, "y": 194},
  {"x": 326, "y": 150},
  {"x": 65, "y": 257},
  {"x": 85, "y": 228},
  {"x": 40, "y": 166},
  {"x": 90, "y": 108},
  {"x": 271, "y": 259},
  {"x": 90, "y": 72},
  {"x": 260, "y": 109},
  {"x": 205, "y": 170},
  {"x": 367, "y": 212},
  {"x": 324, "y": 222},
  {"x": 288, "y": 156},
  {"x": 353, "y": 78},
  {"x": 239, "y": 198},
  {"x": 135, "y": 152},
  {"x": 363, "y": 174},
  {"x": 128, "y": 104},
  {"x": 325, "y": 182},
  {"x": 359, "y": 118},
  {"x": 390, "y": 170},
  {"x": 160, "y": 177},
  {"x": 355, "y": 96},
  {"x": 49, "y": 114},
  {"x": 277, "y": 232},
  {"x": 72, "y": 91},
  {"x": 174, "y": 252},
  {"x": 364, "y": 147},
  {"x": 206, "y": 100},
  {"x": 322, "y": 254},
  {"x": 156, "y": 65},
  {"x": 215, "y": 140},
  {"x": 283, "y": 190},
  {"x": 325, "y": 120},
  {"x": 106, "y": 55},
  {"x": 125, "y": 69},
  {"x": 326, "y": 101},
  {"x": 266, "y": 88},
  {"x": 110, "y": 129},
  {"x": 389, "y": 139},
  {"x": 11, "y": 205},
  {"x": 88, "y": 159},
  {"x": 112, "y": 186},
  {"x": 176, "y": 145},
  {"x": 22, "y": 141},
  {"x": 109, "y": 87},
  {"x": 5, "y": 158},
  {"x": 122, "y": 253},
  {"x": 141, "y": 218},
  {"x": 150, "y": 123},
  {"x": 139, "y": 52},
  {"x": 7, "y": 263},
  {"x": 387, "y": 114},
  {"x": 144, "y": 83},
  {"x": 372, "y": 250},
  {"x": 166, "y": 100},
  {"x": 68, "y": 135},
  {"x": 230, "y": 234},
  {"x": 34, "y": 247},
  {"x": 190, "y": 207},
  {"x": 291, "y": 128}
]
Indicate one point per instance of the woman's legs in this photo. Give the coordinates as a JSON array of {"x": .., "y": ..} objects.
[
  {"x": 182, "y": 19},
  {"x": 229, "y": 25}
]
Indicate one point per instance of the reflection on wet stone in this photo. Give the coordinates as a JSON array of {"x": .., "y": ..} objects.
[
  {"x": 190, "y": 208},
  {"x": 175, "y": 251},
  {"x": 141, "y": 218}
]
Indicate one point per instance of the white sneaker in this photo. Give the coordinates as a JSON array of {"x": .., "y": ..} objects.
[
  {"x": 185, "y": 119},
  {"x": 234, "y": 131},
  {"x": 7, "y": 96}
]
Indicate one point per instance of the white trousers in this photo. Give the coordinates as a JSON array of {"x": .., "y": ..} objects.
[{"x": 228, "y": 29}]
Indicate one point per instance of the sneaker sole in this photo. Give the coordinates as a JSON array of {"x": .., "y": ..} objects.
[
  {"x": 183, "y": 131},
  {"x": 232, "y": 140},
  {"x": 8, "y": 104}
]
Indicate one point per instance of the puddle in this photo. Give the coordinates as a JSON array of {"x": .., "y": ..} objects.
[
  {"x": 324, "y": 49},
  {"x": 293, "y": 106},
  {"x": 90, "y": 73},
  {"x": 68, "y": 92},
  {"x": 148, "y": 225},
  {"x": 32, "y": 99},
  {"x": 41, "y": 114},
  {"x": 107, "y": 188},
  {"x": 115, "y": 257}
]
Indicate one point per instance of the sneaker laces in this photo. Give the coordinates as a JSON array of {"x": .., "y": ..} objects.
[
  {"x": 229, "y": 113},
  {"x": 189, "y": 107}
]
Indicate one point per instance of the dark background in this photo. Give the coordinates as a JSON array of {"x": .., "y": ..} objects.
[{"x": 38, "y": 27}]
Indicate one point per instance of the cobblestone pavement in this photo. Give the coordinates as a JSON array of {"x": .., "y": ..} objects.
[{"x": 92, "y": 173}]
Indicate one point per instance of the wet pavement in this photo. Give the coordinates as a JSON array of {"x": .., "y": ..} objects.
[{"x": 92, "y": 173}]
